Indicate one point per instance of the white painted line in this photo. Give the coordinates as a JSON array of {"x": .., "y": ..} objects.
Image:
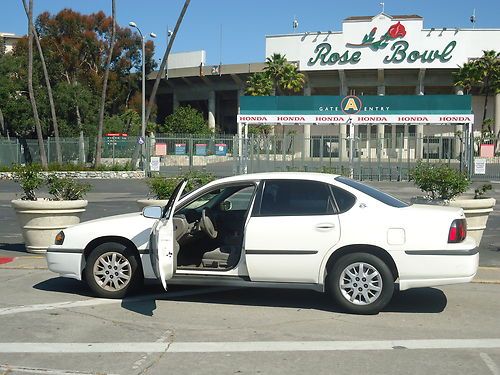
[
  {"x": 490, "y": 364},
  {"x": 33, "y": 370},
  {"x": 253, "y": 346},
  {"x": 101, "y": 301}
]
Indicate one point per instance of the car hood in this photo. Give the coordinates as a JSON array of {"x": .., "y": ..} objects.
[{"x": 133, "y": 227}]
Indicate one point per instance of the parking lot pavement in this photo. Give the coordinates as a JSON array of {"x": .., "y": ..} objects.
[{"x": 53, "y": 325}]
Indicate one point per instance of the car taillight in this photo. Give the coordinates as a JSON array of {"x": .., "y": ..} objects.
[{"x": 458, "y": 231}]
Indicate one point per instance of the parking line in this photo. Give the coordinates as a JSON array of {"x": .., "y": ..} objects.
[
  {"x": 490, "y": 364},
  {"x": 252, "y": 346},
  {"x": 102, "y": 301},
  {"x": 33, "y": 370}
]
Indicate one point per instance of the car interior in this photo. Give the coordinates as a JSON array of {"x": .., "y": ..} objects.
[{"x": 209, "y": 228}]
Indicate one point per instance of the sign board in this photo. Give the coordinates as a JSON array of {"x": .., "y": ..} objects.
[
  {"x": 154, "y": 164},
  {"x": 367, "y": 109},
  {"x": 479, "y": 166},
  {"x": 140, "y": 140},
  {"x": 383, "y": 42},
  {"x": 160, "y": 149}
]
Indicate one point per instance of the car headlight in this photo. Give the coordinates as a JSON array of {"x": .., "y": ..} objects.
[{"x": 59, "y": 238}]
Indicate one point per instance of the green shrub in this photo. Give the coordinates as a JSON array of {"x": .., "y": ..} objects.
[
  {"x": 66, "y": 189},
  {"x": 29, "y": 178},
  {"x": 162, "y": 187},
  {"x": 439, "y": 181},
  {"x": 480, "y": 192}
]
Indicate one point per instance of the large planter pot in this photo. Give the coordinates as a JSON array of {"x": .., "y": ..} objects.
[
  {"x": 151, "y": 202},
  {"x": 42, "y": 219},
  {"x": 476, "y": 213}
]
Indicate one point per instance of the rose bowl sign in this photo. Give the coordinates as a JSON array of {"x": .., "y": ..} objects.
[{"x": 383, "y": 42}]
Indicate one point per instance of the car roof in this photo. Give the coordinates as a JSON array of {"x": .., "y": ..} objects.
[{"x": 324, "y": 177}]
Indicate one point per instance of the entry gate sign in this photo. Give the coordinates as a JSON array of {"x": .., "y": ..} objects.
[{"x": 367, "y": 109}]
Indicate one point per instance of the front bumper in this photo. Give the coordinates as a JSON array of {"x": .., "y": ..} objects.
[{"x": 66, "y": 263}]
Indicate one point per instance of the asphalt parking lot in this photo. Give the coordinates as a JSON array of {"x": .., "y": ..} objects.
[{"x": 51, "y": 325}]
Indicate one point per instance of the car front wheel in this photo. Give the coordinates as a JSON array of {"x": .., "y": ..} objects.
[
  {"x": 112, "y": 270},
  {"x": 361, "y": 283}
]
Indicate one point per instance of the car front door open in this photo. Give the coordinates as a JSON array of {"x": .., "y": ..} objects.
[{"x": 162, "y": 241}]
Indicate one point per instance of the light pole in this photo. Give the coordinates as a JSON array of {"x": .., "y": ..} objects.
[{"x": 143, "y": 99}]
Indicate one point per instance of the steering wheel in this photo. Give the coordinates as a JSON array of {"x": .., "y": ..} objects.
[{"x": 207, "y": 225}]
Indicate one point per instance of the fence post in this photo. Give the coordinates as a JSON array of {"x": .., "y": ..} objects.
[
  {"x": 190, "y": 142},
  {"x": 48, "y": 149}
]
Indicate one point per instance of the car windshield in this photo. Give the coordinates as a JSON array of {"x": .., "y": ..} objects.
[{"x": 372, "y": 192}]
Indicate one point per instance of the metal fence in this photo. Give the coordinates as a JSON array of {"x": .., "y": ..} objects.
[{"x": 365, "y": 158}]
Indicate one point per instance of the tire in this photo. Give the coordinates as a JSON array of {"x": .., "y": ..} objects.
[
  {"x": 355, "y": 293},
  {"x": 124, "y": 275}
]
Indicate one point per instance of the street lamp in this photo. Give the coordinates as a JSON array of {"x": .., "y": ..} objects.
[{"x": 143, "y": 100}]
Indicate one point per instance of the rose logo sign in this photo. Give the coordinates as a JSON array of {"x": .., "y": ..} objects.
[{"x": 395, "y": 31}]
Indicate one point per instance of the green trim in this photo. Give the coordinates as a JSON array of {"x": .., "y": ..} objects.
[{"x": 372, "y": 105}]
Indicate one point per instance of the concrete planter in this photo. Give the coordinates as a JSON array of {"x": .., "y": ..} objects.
[
  {"x": 151, "y": 202},
  {"x": 476, "y": 212},
  {"x": 42, "y": 219}
]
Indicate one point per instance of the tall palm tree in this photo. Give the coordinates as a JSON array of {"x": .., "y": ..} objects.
[
  {"x": 49, "y": 86},
  {"x": 38, "y": 126},
  {"x": 98, "y": 152}
]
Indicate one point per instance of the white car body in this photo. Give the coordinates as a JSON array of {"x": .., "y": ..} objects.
[{"x": 294, "y": 251}]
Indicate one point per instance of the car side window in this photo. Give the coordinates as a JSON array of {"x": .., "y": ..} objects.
[
  {"x": 295, "y": 198},
  {"x": 344, "y": 200},
  {"x": 241, "y": 199}
]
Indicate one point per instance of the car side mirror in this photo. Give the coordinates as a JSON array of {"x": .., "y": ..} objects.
[
  {"x": 152, "y": 212},
  {"x": 226, "y": 206}
]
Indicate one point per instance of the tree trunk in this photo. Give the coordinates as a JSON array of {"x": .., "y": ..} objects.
[
  {"x": 49, "y": 87},
  {"x": 98, "y": 152},
  {"x": 2, "y": 123},
  {"x": 38, "y": 126},
  {"x": 164, "y": 60}
]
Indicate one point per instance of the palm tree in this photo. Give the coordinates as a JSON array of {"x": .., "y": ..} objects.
[
  {"x": 467, "y": 76},
  {"x": 291, "y": 81},
  {"x": 98, "y": 152},
  {"x": 49, "y": 86},
  {"x": 279, "y": 77},
  {"x": 275, "y": 66},
  {"x": 483, "y": 72},
  {"x": 38, "y": 126},
  {"x": 489, "y": 69},
  {"x": 259, "y": 84}
]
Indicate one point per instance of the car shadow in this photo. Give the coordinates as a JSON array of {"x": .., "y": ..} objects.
[
  {"x": 64, "y": 285},
  {"x": 144, "y": 302},
  {"x": 17, "y": 248}
]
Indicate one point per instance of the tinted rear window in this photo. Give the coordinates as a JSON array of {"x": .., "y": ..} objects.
[{"x": 372, "y": 192}]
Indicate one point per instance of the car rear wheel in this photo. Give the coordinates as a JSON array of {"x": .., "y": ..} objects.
[
  {"x": 361, "y": 283},
  {"x": 112, "y": 270}
]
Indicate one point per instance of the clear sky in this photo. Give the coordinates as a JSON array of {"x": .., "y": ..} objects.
[{"x": 245, "y": 23}]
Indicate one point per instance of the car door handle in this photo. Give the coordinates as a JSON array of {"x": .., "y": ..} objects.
[{"x": 325, "y": 226}]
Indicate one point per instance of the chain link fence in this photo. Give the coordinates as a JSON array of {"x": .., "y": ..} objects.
[{"x": 365, "y": 158}]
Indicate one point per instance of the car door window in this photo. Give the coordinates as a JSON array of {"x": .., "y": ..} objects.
[
  {"x": 241, "y": 199},
  {"x": 296, "y": 198}
]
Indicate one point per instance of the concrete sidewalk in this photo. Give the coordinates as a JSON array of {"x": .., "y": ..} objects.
[{"x": 486, "y": 275}]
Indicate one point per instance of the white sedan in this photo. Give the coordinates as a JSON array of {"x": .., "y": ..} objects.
[{"x": 281, "y": 230}]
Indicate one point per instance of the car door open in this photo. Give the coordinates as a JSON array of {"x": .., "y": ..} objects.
[{"x": 162, "y": 240}]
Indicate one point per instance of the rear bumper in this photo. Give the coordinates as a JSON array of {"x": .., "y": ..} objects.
[{"x": 428, "y": 268}]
